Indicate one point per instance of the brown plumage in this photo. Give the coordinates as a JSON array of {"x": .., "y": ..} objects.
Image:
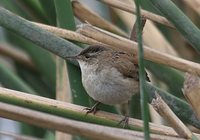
[
  {"x": 109, "y": 76},
  {"x": 127, "y": 67}
]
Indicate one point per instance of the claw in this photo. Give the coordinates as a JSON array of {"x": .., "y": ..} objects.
[
  {"x": 93, "y": 109},
  {"x": 124, "y": 122}
]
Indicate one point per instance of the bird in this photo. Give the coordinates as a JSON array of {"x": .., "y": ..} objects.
[{"x": 109, "y": 76}]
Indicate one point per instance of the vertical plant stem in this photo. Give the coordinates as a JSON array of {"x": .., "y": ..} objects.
[
  {"x": 62, "y": 90},
  {"x": 65, "y": 20},
  {"x": 142, "y": 74}
]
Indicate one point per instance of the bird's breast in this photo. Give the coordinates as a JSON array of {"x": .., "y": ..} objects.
[{"x": 108, "y": 86}]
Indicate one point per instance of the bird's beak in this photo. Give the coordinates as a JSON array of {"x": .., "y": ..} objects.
[{"x": 72, "y": 57}]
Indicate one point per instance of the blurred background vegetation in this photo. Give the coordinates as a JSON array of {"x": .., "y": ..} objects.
[{"x": 26, "y": 67}]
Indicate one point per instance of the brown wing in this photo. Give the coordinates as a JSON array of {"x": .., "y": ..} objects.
[{"x": 127, "y": 67}]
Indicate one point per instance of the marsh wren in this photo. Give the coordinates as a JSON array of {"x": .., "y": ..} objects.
[{"x": 108, "y": 76}]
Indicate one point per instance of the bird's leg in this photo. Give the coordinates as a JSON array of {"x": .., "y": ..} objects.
[
  {"x": 125, "y": 120},
  {"x": 93, "y": 109}
]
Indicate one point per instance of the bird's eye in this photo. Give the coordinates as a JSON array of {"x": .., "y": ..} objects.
[{"x": 87, "y": 56}]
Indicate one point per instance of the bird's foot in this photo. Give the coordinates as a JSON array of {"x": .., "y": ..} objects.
[
  {"x": 93, "y": 109},
  {"x": 124, "y": 122}
]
